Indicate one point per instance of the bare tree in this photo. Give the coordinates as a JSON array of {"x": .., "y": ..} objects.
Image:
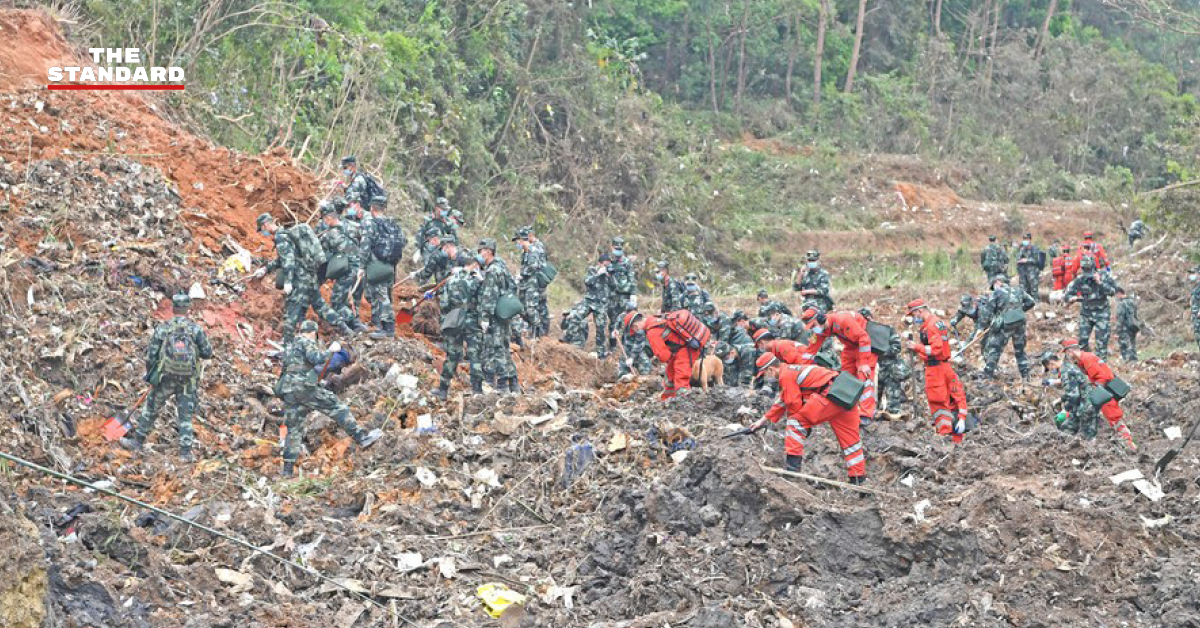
[
  {"x": 741, "y": 71},
  {"x": 858, "y": 37},
  {"x": 819, "y": 54},
  {"x": 1045, "y": 32}
]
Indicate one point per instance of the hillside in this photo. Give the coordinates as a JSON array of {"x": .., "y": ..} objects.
[{"x": 114, "y": 206}]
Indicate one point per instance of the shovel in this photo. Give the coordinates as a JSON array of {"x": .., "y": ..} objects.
[
  {"x": 115, "y": 429},
  {"x": 1174, "y": 451},
  {"x": 745, "y": 431},
  {"x": 404, "y": 314}
]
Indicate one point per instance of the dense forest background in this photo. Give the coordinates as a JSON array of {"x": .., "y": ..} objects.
[{"x": 588, "y": 116}]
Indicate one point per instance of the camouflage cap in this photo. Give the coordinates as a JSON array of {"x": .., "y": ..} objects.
[
  {"x": 458, "y": 217},
  {"x": 433, "y": 233},
  {"x": 739, "y": 315},
  {"x": 763, "y": 294},
  {"x": 1001, "y": 278},
  {"x": 521, "y": 234},
  {"x": 710, "y": 307},
  {"x": 605, "y": 257},
  {"x": 814, "y": 255},
  {"x": 327, "y": 208},
  {"x": 263, "y": 218},
  {"x": 618, "y": 241},
  {"x": 464, "y": 259},
  {"x": 865, "y": 312},
  {"x": 691, "y": 277},
  {"x": 448, "y": 238},
  {"x": 308, "y": 327},
  {"x": 1047, "y": 355},
  {"x": 441, "y": 202},
  {"x": 487, "y": 243},
  {"x": 349, "y": 159},
  {"x": 722, "y": 349},
  {"x": 378, "y": 201},
  {"x": 181, "y": 301},
  {"x": 965, "y": 299},
  {"x": 991, "y": 238},
  {"x": 662, "y": 263}
]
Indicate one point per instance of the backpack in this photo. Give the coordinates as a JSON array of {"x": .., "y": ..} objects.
[
  {"x": 685, "y": 324},
  {"x": 308, "y": 245},
  {"x": 178, "y": 355},
  {"x": 389, "y": 245},
  {"x": 372, "y": 190}
]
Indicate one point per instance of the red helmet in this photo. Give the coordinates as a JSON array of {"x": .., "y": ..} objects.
[
  {"x": 915, "y": 304},
  {"x": 809, "y": 314},
  {"x": 1069, "y": 343},
  {"x": 1088, "y": 235},
  {"x": 764, "y": 362},
  {"x": 763, "y": 334}
]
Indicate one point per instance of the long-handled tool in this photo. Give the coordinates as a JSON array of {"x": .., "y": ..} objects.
[
  {"x": 973, "y": 341},
  {"x": 745, "y": 431},
  {"x": 1174, "y": 451},
  {"x": 114, "y": 429},
  {"x": 404, "y": 314}
]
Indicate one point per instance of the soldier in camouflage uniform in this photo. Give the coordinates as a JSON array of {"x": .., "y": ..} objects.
[
  {"x": 440, "y": 261},
  {"x": 893, "y": 370},
  {"x": 1137, "y": 231},
  {"x": 379, "y": 293},
  {"x": 1066, "y": 375},
  {"x": 814, "y": 284},
  {"x": 715, "y": 321},
  {"x": 173, "y": 370},
  {"x": 695, "y": 298},
  {"x": 637, "y": 349},
  {"x": 740, "y": 357},
  {"x": 299, "y": 387},
  {"x": 596, "y": 296},
  {"x": 787, "y": 327},
  {"x": 299, "y": 278},
  {"x": 1194, "y": 278},
  {"x": 1030, "y": 263},
  {"x": 574, "y": 325},
  {"x": 994, "y": 259},
  {"x": 971, "y": 308},
  {"x": 1128, "y": 325},
  {"x": 357, "y": 192},
  {"x": 497, "y": 332},
  {"x": 460, "y": 300},
  {"x": 352, "y": 219},
  {"x": 530, "y": 287},
  {"x": 440, "y": 221},
  {"x": 1005, "y": 298},
  {"x": 624, "y": 285},
  {"x": 337, "y": 242},
  {"x": 765, "y": 304},
  {"x": 670, "y": 289},
  {"x": 1092, "y": 289}
]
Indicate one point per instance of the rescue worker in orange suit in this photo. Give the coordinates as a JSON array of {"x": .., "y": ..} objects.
[
  {"x": 943, "y": 389},
  {"x": 857, "y": 357},
  {"x": 802, "y": 390},
  {"x": 1086, "y": 417},
  {"x": 788, "y": 351},
  {"x": 1059, "y": 269},
  {"x": 673, "y": 350}
]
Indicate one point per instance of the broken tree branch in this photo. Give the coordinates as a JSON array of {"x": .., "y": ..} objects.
[{"x": 821, "y": 480}]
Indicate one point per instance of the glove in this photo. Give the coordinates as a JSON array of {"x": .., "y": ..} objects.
[
  {"x": 411, "y": 276},
  {"x": 484, "y": 325},
  {"x": 960, "y": 426},
  {"x": 915, "y": 347},
  {"x": 287, "y": 288},
  {"x": 1060, "y": 417},
  {"x": 428, "y": 295},
  {"x": 335, "y": 346},
  {"x": 260, "y": 273},
  {"x": 759, "y": 424},
  {"x": 603, "y": 270},
  {"x": 864, "y": 372},
  {"x": 417, "y": 256},
  {"x": 629, "y": 363}
]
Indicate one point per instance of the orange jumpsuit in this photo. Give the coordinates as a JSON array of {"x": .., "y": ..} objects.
[
  {"x": 1099, "y": 374},
  {"x": 671, "y": 349},
  {"x": 802, "y": 399},
  {"x": 788, "y": 351},
  {"x": 851, "y": 329},
  {"x": 1058, "y": 270},
  {"x": 942, "y": 386}
]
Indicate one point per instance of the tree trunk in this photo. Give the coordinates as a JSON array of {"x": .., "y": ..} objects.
[
  {"x": 1045, "y": 32},
  {"x": 819, "y": 54},
  {"x": 991, "y": 54},
  {"x": 741, "y": 77},
  {"x": 712, "y": 67},
  {"x": 937, "y": 18},
  {"x": 794, "y": 27},
  {"x": 858, "y": 36}
]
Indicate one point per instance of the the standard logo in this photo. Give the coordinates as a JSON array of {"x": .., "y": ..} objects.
[{"x": 123, "y": 71}]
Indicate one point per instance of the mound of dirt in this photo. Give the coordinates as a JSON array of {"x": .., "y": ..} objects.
[{"x": 916, "y": 196}]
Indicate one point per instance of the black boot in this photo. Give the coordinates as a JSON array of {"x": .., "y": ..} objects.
[
  {"x": 513, "y": 386},
  {"x": 793, "y": 463},
  {"x": 387, "y": 329},
  {"x": 343, "y": 329},
  {"x": 289, "y": 468},
  {"x": 858, "y": 480},
  {"x": 185, "y": 455},
  {"x": 133, "y": 442},
  {"x": 357, "y": 325},
  {"x": 476, "y": 386}
]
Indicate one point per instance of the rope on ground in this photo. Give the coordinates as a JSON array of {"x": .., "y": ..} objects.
[{"x": 217, "y": 533}]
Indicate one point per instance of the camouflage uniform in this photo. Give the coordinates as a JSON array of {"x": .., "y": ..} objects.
[
  {"x": 894, "y": 370},
  {"x": 462, "y": 291},
  {"x": 354, "y": 230},
  {"x": 1074, "y": 385},
  {"x": 356, "y": 190},
  {"x": 994, "y": 261},
  {"x": 1137, "y": 231},
  {"x": 301, "y": 394},
  {"x": 575, "y": 326},
  {"x": 672, "y": 292},
  {"x": 1003, "y": 299},
  {"x": 1029, "y": 268},
  {"x": 437, "y": 266},
  {"x": 765, "y": 309},
  {"x": 815, "y": 279},
  {"x": 1093, "y": 289},
  {"x": 740, "y": 370},
  {"x": 497, "y": 283},
  {"x": 305, "y": 291},
  {"x": 166, "y": 385},
  {"x": 971, "y": 308},
  {"x": 597, "y": 292},
  {"x": 440, "y": 226},
  {"x": 337, "y": 242},
  {"x": 531, "y": 290},
  {"x": 1196, "y": 313},
  {"x": 696, "y": 301},
  {"x": 623, "y": 289},
  {"x": 637, "y": 351},
  {"x": 379, "y": 293},
  {"x": 1128, "y": 326},
  {"x": 788, "y": 328}
]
